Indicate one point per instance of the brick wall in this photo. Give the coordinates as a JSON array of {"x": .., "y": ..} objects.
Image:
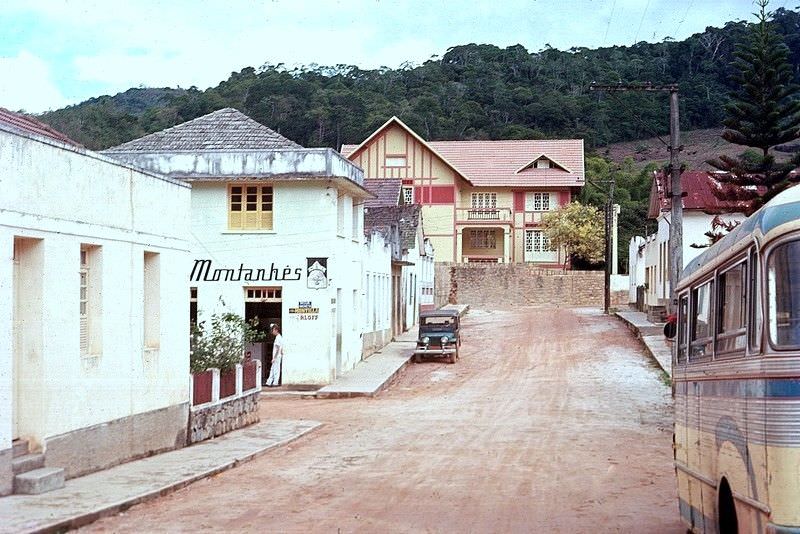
[{"x": 518, "y": 284}]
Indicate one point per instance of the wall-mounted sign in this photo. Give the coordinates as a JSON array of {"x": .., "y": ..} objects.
[
  {"x": 305, "y": 313},
  {"x": 202, "y": 271},
  {"x": 317, "y": 273}
]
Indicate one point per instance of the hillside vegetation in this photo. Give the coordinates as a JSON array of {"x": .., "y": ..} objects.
[{"x": 474, "y": 91}]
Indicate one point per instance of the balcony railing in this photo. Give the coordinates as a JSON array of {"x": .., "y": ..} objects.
[{"x": 484, "y": 214}]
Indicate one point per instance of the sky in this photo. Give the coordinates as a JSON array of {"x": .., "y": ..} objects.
[{"x": 55, "y": 53}]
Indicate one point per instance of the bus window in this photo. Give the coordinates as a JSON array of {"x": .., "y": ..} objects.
[
  {"x": 683, "y": 330},
  {"x": 755, "y": 305},
  {"x": 784, "y": 295},
  {"x": 731, "y": 310},
  {"x": 701, "y": 323}
]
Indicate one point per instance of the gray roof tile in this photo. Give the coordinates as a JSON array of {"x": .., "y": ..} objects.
[{"x": 225, "y": 129}]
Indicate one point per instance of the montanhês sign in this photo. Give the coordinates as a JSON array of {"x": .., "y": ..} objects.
[{"x": 204, "y": 271}]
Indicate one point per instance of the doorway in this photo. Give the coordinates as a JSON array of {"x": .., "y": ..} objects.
[
  {"x": 264, "y": 305},
  {"x": 339, "y": 332}
]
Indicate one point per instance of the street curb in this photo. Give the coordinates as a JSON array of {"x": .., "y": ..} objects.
[
  {"x": 391, "y": 379},
  {"x": 644, "y": 341},
  {"x": 87, "y": 518}
]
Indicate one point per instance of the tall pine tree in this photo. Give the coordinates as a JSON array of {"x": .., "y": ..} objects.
[{"x": 763, "y": 113}]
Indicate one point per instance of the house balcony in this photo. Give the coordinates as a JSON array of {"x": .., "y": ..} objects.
[{"x": 484, "y": 214}]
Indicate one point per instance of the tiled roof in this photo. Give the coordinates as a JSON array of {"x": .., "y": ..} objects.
[
  {"x": 698, "y": 187},
  {"x": 498, "y": 163},
  {"x": 28, "y": 124},
  {"x": 226, "y": 129},
  {"x": 387, "y": 192},
  {"x": 407, "y": 217}
]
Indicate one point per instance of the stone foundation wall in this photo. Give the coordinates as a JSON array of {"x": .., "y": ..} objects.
[
  {"x": 375, "y": 341},
  {"x": 518, "y": 284},
  {"x": 206, "y": 422}
]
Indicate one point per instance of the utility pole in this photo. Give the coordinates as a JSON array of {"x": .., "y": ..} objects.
[
  {"x": 675, "y": 192},
  {"x": 609, "y": 253}
]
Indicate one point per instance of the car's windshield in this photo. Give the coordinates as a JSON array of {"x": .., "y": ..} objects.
[
  {"x": 437, "y": 321},
  {"x": 784, "y": 295}
]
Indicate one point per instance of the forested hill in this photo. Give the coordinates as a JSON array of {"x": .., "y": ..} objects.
[{"x": 472, "y": 92}]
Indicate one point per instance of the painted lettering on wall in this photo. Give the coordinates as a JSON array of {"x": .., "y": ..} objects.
[{"x": 203, "y": 271}]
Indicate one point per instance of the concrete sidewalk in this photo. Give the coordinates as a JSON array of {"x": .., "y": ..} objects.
[
  {"x": 376, "y": 373},
  {"x": 652, "y": 336},
  {"x": 88, "y": 498}
]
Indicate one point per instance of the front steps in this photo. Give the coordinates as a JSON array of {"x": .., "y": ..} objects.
[{"x": 31, "y": 477}]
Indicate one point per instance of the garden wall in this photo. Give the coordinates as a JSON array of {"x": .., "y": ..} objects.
[{"x": 506, "y": 285}]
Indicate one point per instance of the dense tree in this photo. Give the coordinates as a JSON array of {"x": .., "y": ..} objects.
[
  {"x": 763, "y": 112},
  {"x": 578, "y": 229},
  {"x": 474, "y": 91}
]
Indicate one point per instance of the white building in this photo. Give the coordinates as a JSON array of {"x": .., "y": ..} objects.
[
  {"x": 93, "y": 319},
  {"x": 377, "y": 286},
  {"x": 277, "y": 234},
  {"x": 649, "y": 265}
]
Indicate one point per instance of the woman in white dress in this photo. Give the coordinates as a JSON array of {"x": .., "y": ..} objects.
[{"x": 277, "y": 356}]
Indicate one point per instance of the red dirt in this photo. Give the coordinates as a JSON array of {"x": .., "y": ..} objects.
[{"x": 552, "y": 421}]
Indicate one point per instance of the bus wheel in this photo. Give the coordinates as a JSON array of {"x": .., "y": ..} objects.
[{"x": 726, "y": 510}]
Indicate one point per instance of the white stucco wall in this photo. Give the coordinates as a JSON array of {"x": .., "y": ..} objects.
[
  {"x": 65, "y": 198},
  {"x": 426, "y": 276},
  {"x": 305, "y": 225},
  {"x": 635, "y": 266},
  {"x": 376, "y": 284},
  {"x": 695, "y": 225}
]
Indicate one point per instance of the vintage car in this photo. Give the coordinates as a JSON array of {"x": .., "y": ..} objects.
[{"x": 438, "y": 335}]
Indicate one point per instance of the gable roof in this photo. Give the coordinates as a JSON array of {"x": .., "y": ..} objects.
[
  {"x": 532, "y": 164},
  {"x": 28, "y": 124},
  {"x": 500, "y": 163},
  {"x": 386, "y": 191},
  {"x": 350, "y": 151},
  {"x": 698, "y": 187},
  {"x": 225, "y": 129},
  {"x": 496, "y": 163},
  {"x": 406, "y": 217}
]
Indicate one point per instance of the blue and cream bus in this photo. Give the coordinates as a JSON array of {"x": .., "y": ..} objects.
[{"x": 736, "y": 374}]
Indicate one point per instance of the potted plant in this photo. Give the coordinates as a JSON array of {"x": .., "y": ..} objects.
[{"x": 219, "y": 344}]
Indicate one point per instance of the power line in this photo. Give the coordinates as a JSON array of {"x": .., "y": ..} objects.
[
  {"x": 636, "y": 39},
  {"x": 686, "y": 14},
  {"x": 610, "y": 18}
]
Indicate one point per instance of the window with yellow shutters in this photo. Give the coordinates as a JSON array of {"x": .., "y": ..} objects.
[{"x": 250, "y": 207}]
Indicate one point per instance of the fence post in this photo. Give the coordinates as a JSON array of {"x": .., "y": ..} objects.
[
  {"x": 239, "y": 381},
  {"x": 214, "y": 385}
]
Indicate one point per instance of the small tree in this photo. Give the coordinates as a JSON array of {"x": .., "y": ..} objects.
[
  {"x": 763, "y": 112},
  {"x": 577, "y": 228},
  {"x": 221, "y": 344}
]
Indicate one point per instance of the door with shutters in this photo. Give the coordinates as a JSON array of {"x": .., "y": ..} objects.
[{"x": 537, "y": 248}]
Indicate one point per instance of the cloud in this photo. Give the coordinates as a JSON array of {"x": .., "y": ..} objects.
[{"x": 26, "y": 84}]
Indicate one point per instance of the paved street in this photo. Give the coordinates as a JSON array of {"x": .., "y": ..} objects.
[{"x": 553, "y": 420}]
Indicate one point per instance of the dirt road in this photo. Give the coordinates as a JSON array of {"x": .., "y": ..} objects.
[{"x": 552, "y": 421}]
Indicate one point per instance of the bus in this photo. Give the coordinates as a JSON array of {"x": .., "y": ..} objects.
[{"x": 736, "y": 378}]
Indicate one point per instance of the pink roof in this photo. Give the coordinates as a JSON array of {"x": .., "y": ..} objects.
[
  {"x": 501, "y": 163},
  {"x": 28, "y": 124},
  {"x": 505, "y": 163},
  {"x": 699, "y": 188}
]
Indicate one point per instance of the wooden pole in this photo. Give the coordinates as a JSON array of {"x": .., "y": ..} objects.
[{"x": 676, "y": 197}]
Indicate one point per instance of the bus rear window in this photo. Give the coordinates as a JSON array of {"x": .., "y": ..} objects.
[{"x": 784, "y": 295}]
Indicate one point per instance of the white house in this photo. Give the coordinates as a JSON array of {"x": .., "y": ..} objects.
[
  {"x": 377, "y": 286},
  {"x": 649, "y": 266},
  {"x": 93, "y": 316},
  {"x": 277, "y": 232}
]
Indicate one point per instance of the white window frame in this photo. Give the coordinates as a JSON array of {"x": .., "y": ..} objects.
[
  {"x": 540, "y": 201},
  {"x": 483, "y": 201},
  {"x": 396, "y": 162}
]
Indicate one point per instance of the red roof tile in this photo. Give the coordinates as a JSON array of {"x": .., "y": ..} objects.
[
  {"x": 698, "y": 187},
  {"x": 503, "y": 163},
  {"x": 387, "y": 192},
  {"x": 28, "y": 124}
]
